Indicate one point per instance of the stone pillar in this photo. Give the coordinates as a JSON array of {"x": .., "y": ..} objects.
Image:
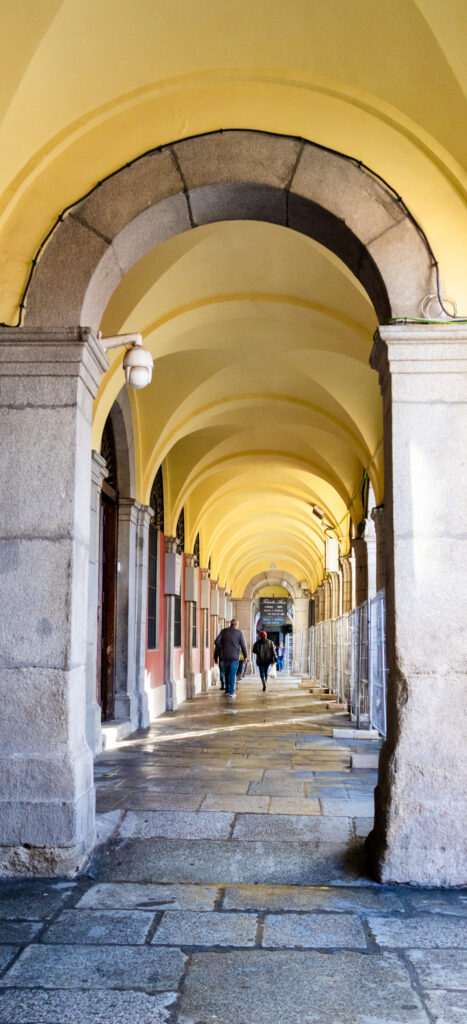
[
  {"x": 327, "y": 599},
  {"x": 93, "y": 710},
  {"x": 377, "y": 515},
  {"x": 335, "y": 594},
  {"x": 300, "y": 624},
  {"x": 360, "y": 554},
  {"x": 421, "y": 797},
  {"x": 190, "y": 612},
  {"x": 346, "y": 569},
  {"x": 144, "y": 513},
  {"x": 371, "y": 556},
  {"x": 205, "y": 662},
  {"x": 126, "y": 697},
  {"x": 47, "y": 800},
  {"x": 242, "y": 612},
  {"x": 169, "y": 620}
]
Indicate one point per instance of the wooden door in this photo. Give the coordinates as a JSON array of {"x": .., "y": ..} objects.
[{"x": 106, "y": 607}]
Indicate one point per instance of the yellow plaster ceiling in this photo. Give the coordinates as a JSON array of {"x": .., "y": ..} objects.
[{"x": 262, "y": 401}]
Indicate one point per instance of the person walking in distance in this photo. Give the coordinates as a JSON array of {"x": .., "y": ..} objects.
[
  {"x": 231, "y": 641},
  {"x": 280, "y": 656},
  {"x": 265, "y": 655}
]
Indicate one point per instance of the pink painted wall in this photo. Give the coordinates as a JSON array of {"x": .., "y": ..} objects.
[{"x": 155, "y": 659}]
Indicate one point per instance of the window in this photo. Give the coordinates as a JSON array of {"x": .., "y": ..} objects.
[
  {"x": 177, "y": 621},
  {"x": 194, "y": 633},
  {"x": 206, "y": 630},
  {"x": 153, "y": 590}
]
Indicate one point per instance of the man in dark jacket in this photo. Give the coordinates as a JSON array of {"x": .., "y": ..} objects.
[{"x": 231, "y": 641}]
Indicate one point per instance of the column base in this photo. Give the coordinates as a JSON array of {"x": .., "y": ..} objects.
[
  {"x": 94, "y": 728},
  {"x": 42, "y": 861}
]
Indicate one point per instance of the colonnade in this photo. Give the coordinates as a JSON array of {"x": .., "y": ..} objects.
[{"x": 48, "y": 543}]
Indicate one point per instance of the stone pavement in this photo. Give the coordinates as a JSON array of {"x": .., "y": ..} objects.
[{"x": 232, "y": 888}]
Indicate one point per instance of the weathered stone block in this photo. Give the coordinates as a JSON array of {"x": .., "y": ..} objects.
[
  {"x": 125, "y": 195},
  {"x": 321, "y": 987},
  {"x": 55, "y": 297},
  {"x": 21, "y": 1006},
  {"x": 364, "y": 760},
  {"x": 237, "y": 202},
  {"x": 189, "y": 928},
  {"x": 237, "y": 156},
  {"x": 313, "y": 931},
  {"x": 176, "y": 824},
  {"x": 150, "y": 228},
  {"x": 134, "y": 896},
  {"x": 83, "y": 967},
  {"x": 100, "y": 927},
  {"x": 329, "y": 179}
]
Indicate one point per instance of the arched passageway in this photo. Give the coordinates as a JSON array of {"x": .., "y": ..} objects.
[{"x": 306, "y": 433}]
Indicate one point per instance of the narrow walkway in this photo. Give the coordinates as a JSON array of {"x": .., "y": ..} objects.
[{"x": 232, "y": 888}]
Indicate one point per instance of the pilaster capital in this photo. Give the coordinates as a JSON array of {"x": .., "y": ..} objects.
[
  {"x": 205, "y": 574},
  {"x": 419, "y": 349},
  {"x": 170, "y": 545},
  {"x": 214, "y": 585},
  {"x": 99, "y": 469},
  {"x": 145, "y": 513},
  {"x": 55, "y": 353},
  {"x": 190, "y": 561},
  {"x": 128, "y": 509}
]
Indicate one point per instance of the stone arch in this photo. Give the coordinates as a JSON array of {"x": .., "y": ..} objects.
[
  {"x": 230, "y": 175},
  {"x": 270, "y": 579}
]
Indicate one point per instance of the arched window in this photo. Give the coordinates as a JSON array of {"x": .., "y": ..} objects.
[
  {"x": 156, "y": 527},
  {"x": 180, "y": 532},
  {"x": 196, "y": 550}
]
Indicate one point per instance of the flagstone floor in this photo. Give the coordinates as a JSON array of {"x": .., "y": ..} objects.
[{"x": 232, "y": 887}]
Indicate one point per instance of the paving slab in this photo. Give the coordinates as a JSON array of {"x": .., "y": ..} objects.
[
  {"x": 142, "y": 967},
  {"x": 365, "y": 761},
  {"x": 136, "y": 896},
  {"x": 188, "y": 928},
  {"x": 236, "y": 804},
  {"x": 282, "y": 897},
  {"x": 440, "y": 968},
  {"x": 434, "y": 901},
  {"x": 447, "y": 1007},
  {"x": 294, "y": 805},
  {"x": 358, "y": 808},
  {"x": 280, "y": 787},
  {"x": 6, "y": 955},
  {"x": 317, "y": 931},
  {"x": 426, "y": 932},
  {"x": 18, "y": 932},
  {"x": 175, "y": 825},
  {"x": 137, "y": 801},
  {"x": 309, "y": 828},
  {"x": 298, "y": 987},
  {"x": 222, "y": 862},
  {"x": 33, "y": 899},
  {"x": 21, "y": 1006},
  {"x": 100, "y": 927}
]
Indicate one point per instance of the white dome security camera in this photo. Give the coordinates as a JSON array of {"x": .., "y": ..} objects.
[
  {"x": 138, "y": 363},
  {"x": 138, "y": 366}
]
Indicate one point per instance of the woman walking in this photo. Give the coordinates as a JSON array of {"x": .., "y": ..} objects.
[{"x": 265, "y": 655}]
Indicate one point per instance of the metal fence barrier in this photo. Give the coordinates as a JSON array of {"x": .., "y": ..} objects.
[{"x": 348, "y": 657}]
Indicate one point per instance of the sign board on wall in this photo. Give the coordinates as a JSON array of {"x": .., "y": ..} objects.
[{"x": 273, "y": 611}]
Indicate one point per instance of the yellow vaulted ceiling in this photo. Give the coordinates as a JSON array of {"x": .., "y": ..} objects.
[{"x": 262, "y": 401}]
